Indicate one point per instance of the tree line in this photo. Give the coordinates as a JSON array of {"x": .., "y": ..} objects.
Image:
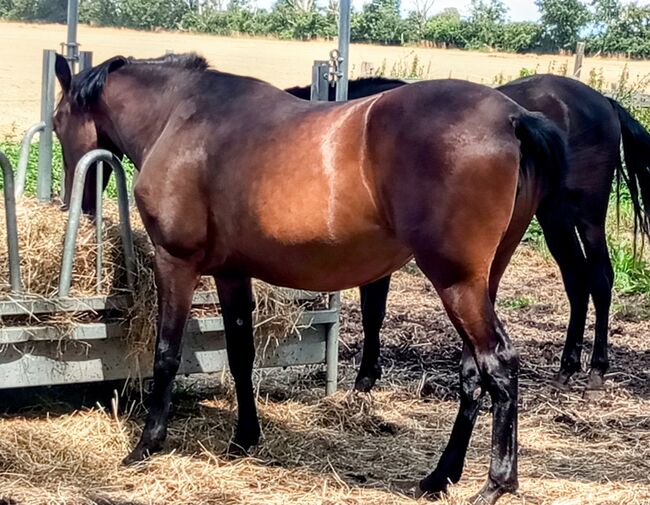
[{"x": 606, "y": 26}]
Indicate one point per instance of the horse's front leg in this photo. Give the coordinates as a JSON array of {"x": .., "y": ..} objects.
[
  {"x": 175, "y": 282},
  {"x": 236, "y": 299}
]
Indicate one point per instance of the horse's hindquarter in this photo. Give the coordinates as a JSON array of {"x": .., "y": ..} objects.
[
  {"x": 294, "y": 205},
  {"x": 448, "y": 177}
]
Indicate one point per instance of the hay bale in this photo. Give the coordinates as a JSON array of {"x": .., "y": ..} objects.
[{"x": 41, "y": 231}]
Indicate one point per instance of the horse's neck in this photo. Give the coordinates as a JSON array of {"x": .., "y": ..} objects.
[{"x": 131, "y": 120}]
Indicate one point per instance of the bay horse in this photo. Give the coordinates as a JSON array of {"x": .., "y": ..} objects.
[
  {"x": 595, "y": 126},
  {"x": 239, "y": 179}
]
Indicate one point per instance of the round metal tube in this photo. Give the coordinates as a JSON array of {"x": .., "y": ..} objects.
[
  {"x": 72, "y": 49},
  {"x": 12, "y": 226},
  {"x": 99, "y": 222},
  {"x": 74, "y": 216},
  {"x": 23, "y": 160},
  {"x": 344, "y": 50},
  {"x": 44, "y": 188},
  {"x": 332, "y": 346}
]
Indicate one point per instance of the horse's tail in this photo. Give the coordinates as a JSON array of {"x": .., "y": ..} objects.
[
  {"x": 543, "y": 148},
  {"x": 636, "y": 174}
]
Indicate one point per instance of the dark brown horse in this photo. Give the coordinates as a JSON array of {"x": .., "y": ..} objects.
[
  {"x": 239, "y": 179},
  {"x": 595, "y": 125}
]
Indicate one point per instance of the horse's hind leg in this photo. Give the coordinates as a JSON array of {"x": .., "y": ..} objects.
[
  {"x": 175, "y": 282},
  {"x": 373, "y": 311},
  {"x": 562, "y": 241},
  {"x": 601, "y": 279},
  {"x": 236, "y": 299},
  {"x": 464, "y": 293}
]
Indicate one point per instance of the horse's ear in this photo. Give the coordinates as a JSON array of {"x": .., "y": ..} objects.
[{"x": 62, "y": 71}]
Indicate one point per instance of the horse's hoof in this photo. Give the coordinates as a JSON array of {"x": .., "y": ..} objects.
[
  {"x": 431, "y": 488},
  {"x": 491, "y": 492},
  {"x": 137, "y": 455},
  {"x": 240, "y": 446},
  {"x": 366, "y": 380},
  {"x": 596, "y": 381},
  {"x": 364, "y": 384},
  {"x": 561, "y": 381}
]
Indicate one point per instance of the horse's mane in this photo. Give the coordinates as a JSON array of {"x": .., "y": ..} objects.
[{"x": 87, "y": 86}]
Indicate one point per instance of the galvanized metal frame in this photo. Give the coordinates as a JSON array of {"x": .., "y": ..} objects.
[
  {"x": 81, "y": 171},
  {"x": 12, "y": 226}
]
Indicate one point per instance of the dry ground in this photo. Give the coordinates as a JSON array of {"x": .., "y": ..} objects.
[
  {"x": 283, "y": 63},
  {"x": 353, "y": 448}
]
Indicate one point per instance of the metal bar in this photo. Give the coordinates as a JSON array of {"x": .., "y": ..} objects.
[
  {"x": 44, "y": 188},
  {"x": 319, "y": 82},
  {"x": 71, "y": 47},
  {"x": 85, "y": 60},
  {"x": 332, "y": 346},
  {"x": 74, "y": 215},
  {"x": 344, "y": 49},
  {"x": 12, "y": 226},
  {"x": 99, "y": 222},
  {"x": 23, "y": 159}
]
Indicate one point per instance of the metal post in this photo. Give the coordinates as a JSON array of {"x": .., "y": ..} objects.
[
  {"x": 74, "y": 215},
  {"x": 344, "y": 46},
  {"x": 332, "y": 346},
  {"x": 580, "y": 54},
  {"x": 71, "y": 46},
  {"x": 44, "y": 187},
  {"x": 99, "y": 193},
  {"x": 12, "y": 226},
  {"x": 85, "y": 60},
  {"x": 23, "y": 159},
  {"x": 319, "y": 82}
]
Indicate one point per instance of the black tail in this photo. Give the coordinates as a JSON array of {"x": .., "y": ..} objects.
[
  {"x": 543, "y": 148},
  {"x": 636, "y": 149}
]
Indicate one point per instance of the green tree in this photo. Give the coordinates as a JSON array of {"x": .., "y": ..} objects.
[
  {"x": 562, "y": 21},
  {"x": 379, "y": 21},
  {"x": 150, "y": 14},
  {"x": 487, "y": 19},
  {"x": 446, "y": 29}
]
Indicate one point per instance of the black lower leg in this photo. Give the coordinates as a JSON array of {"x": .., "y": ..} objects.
[
  {"x": 451, "y": 463},
  {"x": 601, "y": 276},
  {"x": 501, "y": 371},
  {"x": 236, "y": 298},
  {"x": 175, "y": 284},
  {"x": 373, "y": 311},
  {"x": 562, "y": 241}
]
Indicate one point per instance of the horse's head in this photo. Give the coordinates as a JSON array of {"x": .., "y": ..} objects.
[{"x": 75, "y": 126}]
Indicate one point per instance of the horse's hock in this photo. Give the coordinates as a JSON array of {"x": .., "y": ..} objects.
[{"x": 78, "y": 301}]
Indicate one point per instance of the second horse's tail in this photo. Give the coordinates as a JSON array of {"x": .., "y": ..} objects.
[{"x": 636, "y": 149}]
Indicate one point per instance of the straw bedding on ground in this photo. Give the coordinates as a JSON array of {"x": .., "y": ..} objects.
[{"x": 355, "y": 448}]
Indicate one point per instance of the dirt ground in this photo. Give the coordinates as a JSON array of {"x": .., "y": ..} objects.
[
  {"x": 283, "y": 63},
  {"x": 355, "y": 449}
]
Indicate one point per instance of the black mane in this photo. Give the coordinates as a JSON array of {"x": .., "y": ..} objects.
[
  {"x": 357, "y": 88},
  {"x": 87, "y": 86}
]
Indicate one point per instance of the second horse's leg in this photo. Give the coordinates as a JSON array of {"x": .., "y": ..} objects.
[
  {"x": 236, "y": 299},
  {"x": 563, "y": 244},
  {"x": 373, "y": 311}
]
